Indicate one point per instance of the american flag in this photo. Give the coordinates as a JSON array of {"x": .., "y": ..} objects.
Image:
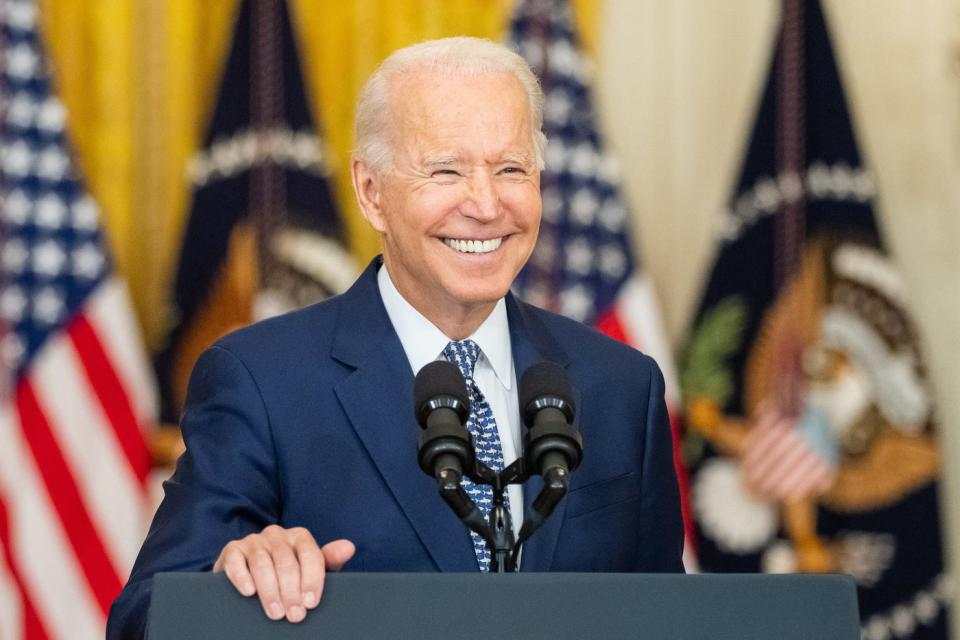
[
  {"x": 76, "y": 397},
  {"x": 583, "y": 265}
]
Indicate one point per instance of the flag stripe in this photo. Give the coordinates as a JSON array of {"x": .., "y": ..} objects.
[
  {"x": 683, "y": 483},
  {"x": 781, "y": 470},
  {"x": 608, "y": 323},
  {"x": 808, "y": 475},
  {"x": 761, "y": 438},
  {"x": 104, "y": 381},
  {"x": 640, "y": 316},
  {"x": 24, "y": 623},
  {"x": 51, "y": 575},
  {"x": 62, "y": 489},
  {"x": 110, "y": 312},
  {"x": 766, "y": 451},
  {"x": 105, "y": 480}
]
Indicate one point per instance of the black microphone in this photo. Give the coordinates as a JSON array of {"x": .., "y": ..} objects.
[
  {"x": 445, "y": 450},
  {"x": 553, "y": 447},
  {"x": 442, "y": 407}
]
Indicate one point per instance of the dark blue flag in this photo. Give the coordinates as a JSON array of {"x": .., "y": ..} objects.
[
  {"x": 264, "y": 235},
  {"x": 812, "y": 438}
]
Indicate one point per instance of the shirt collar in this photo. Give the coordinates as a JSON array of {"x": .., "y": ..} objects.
[{"x": 423, "y": 342}]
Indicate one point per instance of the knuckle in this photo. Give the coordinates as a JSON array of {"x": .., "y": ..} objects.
[
  {"x": 261, "y": 560},
  {"x": 235, "y": 562},
  {"x": 286, "y": 564}
]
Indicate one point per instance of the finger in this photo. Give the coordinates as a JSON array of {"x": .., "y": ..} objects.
[
  {"x": 234, "y": 564},
  {"x": 260, "y": 562},
  {"x": 311, "y": 567},
  {"x": 337, "y": 553},
  {"x": 288, "y": 578}
]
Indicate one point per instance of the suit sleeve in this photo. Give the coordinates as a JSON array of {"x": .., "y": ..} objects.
[
  {"x": 225, "y": 485},
  {"x": 661, "y": 526}
]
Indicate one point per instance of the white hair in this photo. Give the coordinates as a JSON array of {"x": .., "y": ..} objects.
[{"x": 460, "y": 55}]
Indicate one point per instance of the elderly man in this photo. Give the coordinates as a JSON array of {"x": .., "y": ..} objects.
[{"x": 300, "y": 431}]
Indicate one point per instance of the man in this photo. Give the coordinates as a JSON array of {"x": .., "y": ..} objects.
[{"x": 300, "y": 430}]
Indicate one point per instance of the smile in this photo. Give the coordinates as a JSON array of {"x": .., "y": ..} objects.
[{"x": 473, "y": 246}]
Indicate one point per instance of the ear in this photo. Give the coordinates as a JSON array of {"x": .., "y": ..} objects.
[{"x": 367, "y": 185}]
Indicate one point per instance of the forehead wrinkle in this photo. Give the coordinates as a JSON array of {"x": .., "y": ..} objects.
[{"x": 412, "y": 111}]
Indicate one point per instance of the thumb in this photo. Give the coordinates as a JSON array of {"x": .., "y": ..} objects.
[{"x": 337, "y": 553}]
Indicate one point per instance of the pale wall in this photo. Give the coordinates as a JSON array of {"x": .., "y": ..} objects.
[{"x": 678, "y": 81}]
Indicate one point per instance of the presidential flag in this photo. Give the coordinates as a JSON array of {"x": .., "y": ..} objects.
[
  {"x": 583, "y": 265},
  {"x": 813, "y": 441},
  {"x": 263, "y": 235},
  {"x": 77, "y": 398}
]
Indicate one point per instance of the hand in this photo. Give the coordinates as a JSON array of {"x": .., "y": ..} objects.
[{"x": 285, "y": 567}]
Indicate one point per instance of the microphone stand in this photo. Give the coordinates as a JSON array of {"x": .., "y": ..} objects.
[{"x": 497, "y": 532}]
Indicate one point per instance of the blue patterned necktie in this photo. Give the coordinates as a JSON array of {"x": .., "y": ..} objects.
[{"x": 483, "y": 428}]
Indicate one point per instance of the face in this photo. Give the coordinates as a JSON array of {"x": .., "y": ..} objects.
[{"x": 459, "y": 210}]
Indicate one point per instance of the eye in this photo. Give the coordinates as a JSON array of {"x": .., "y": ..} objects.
[
  {"x": 445, "y": 172},
  {"x": 513, "y": 170}
]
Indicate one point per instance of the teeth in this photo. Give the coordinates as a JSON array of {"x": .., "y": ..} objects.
[{"x": 473, "y": 246}]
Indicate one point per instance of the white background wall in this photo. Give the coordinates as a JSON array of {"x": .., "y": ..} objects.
[{"x": 678, "y": 80}]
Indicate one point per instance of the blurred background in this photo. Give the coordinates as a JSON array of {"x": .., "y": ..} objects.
[{"x": 764, "y": 195}]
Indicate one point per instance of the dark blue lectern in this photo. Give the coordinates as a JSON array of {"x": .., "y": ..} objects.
[{"x": 531, "y": 606}]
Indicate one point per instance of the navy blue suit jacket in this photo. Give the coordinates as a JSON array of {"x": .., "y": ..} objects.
[{"x": 307, "y": 420}]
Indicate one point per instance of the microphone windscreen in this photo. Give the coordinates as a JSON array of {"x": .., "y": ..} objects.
[
  {"x": 544, "y": 379},
  {"x": 439, "y": 378}
]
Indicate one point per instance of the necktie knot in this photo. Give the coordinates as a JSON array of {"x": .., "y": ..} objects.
[{"x": 464, "y": 354}]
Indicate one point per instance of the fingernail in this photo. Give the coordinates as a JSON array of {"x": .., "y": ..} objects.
[
  {"x": 310, "y": 599},
  {"x": 248, "y": 589},
  {"x": 274, "y": 610},
  {"x": 296, "y": 613}
]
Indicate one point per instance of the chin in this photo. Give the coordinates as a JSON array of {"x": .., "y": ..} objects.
[{"x": 483, "y": 291}]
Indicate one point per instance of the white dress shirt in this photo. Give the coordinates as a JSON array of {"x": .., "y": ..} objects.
[{"x": 423, "y": 343}]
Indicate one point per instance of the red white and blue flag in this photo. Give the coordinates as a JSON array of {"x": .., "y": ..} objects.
[
  {"x": 76, "y": 397},
  {"x": 584, "y": 266}
]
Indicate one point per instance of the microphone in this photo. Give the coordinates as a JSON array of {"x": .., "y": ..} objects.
[
  {"x": 553, "y": 446},
  {"x": 442, "y": 407},
  {"x": 445, "y": 450}
]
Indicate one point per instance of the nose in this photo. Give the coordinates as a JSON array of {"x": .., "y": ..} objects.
[{"x": 484, "y": 202}]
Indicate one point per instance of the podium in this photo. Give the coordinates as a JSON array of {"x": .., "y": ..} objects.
[{"x": 531, "y": 606}]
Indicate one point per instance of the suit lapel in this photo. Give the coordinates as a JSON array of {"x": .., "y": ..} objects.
[
  {"x": 378, "y": 400},
  {"x": 531, "y": 343}
]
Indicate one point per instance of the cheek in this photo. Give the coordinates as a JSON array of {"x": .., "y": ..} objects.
[
  {"x": 434, "y": 203},
  {"x": 523, "y": 201}
]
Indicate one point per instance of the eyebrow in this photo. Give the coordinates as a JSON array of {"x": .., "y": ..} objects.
[
  {"x": 451, "y": 160},
  {"x": 515, "y": 158},
  {"x": 446, "y": 160}
]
